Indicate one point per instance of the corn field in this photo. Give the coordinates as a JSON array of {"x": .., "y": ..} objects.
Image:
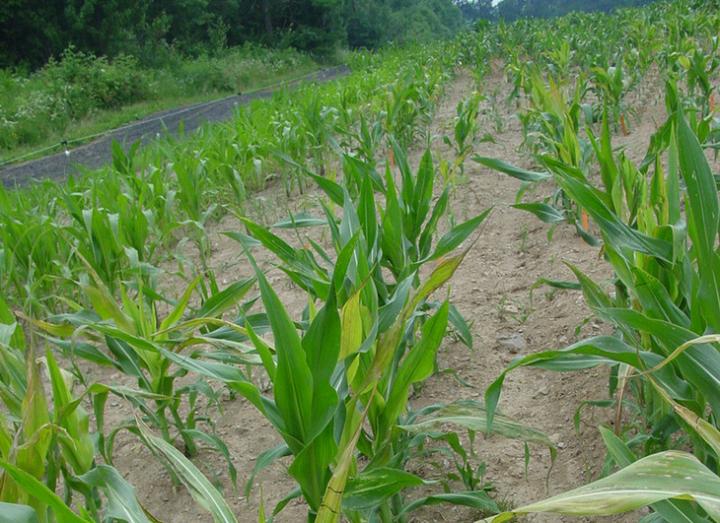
[{"x": 120, "y": 329}]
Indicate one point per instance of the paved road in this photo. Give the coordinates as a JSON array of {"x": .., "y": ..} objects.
[{"x": 98, "y": 153}]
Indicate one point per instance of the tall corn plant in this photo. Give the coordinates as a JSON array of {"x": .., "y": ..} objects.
[{"x": 401, "y": 237}]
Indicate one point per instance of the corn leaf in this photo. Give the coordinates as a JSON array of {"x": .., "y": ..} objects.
[
  {"x": 369, "y": 489},
  {"x": 475, "y": 499},
  {"x": 663, "y": 476},
  {"x": 200, "y": 488},
  {"x": 516, "y": 172},
  {"x": 472, "y": 415},
  {"x": 14, "y": 513},
  {"x": 703, "y": 213},
  {"x": 458, "y": 234},
  {"x": 546, "y": 213},
  {"x": 675, "y": 511},
  {"x": 121, "y": 497},
  {"x": 42, "y": 493}
]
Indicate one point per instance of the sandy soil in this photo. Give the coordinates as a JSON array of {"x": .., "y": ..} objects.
[{"x": 494, "y": 290}]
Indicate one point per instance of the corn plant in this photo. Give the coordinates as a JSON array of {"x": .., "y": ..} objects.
[
  {"x": 401, "y": 235},
  {"x": 465, "y": 132},
  {"x": 611, "y": 86},
  {"x": 46, "y": 445},
  {"x": 129, "y": 329},
  {"x": 341, "y": 376},
  {"x": 410, "y": 102},
  {"x": 699, "y": 67},
  {"x": 135, "y": 209},
  {"x": 666, "y": 353}
]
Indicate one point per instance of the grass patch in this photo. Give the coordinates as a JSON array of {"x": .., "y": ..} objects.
[{"x": 82, "y": 95}]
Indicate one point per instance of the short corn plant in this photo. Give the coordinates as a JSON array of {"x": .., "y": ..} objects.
[
  {"x": 130, "y": 330},
  {"x": 342, "y": 374},
  {"x": 665, "y": 311},
  {"x": 46, "y": 443},
  {"x": 464, "y": 133}
]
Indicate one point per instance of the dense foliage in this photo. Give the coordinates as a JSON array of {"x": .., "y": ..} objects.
[
  {"x": 79, "y": 92},
  {"x": 513, "y": 9},
  {"x": 31, "y": 32},
  {"x": 85, "y": 266}
]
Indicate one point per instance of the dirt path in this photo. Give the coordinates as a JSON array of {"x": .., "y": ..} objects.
[
  {"x": 493, "y": 290},
  {"x": 98, "y": 153}
]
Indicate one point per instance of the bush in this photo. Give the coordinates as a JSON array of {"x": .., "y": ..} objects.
[
  {"x": 78, "y": 84},
  {"x": 87, "y": 82}
]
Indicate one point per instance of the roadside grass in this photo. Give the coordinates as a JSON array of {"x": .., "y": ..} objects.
[{"x": 81, "y": 96}]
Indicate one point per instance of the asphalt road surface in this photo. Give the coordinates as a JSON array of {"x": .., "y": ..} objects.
[{"x": 98, "y": 153}]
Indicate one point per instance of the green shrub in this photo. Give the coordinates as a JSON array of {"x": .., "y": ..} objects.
[{"x": 50, "y": 101}]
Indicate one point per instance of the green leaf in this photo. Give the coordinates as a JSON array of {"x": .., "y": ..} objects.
[
  {"x": 298, "y": 221},
  {"x": 617, "y": 233},
  {"x": 600, "y": 350},
  {"x": 676, "y": 511},
  {"x": 370, "y": 488},
  {"x": 225, "y": 299},
  {"x": 546, "y": 213},
  {"x": 663, "y": 476},
  {"x": 511, "y": 170},
  {"x": 177, "y": 312},
  {"x": 121, "y": 497},
  {"x": 217, "y": 444},
  {"x": 393, "y": 241},
  {"x": 13, "y": 513},
  {"x": 474, "y": 499},
  {"x": 200, "y": 488},
  {"x": 417, "y": 365},
  {"x": 472, "y": 415},
  {"x": 458, "y": 234},
  {"x": 423, "y": 189},
  {"x": 558, "y": 284},
  {"x": 293, "y": 378},
  {"x": 462, "y": 329},
  {"x": 332, "y": 189},
  {"x": 39, "y": 491},
  {"x": 703, "y": 214},
  {"x": 263, "y": 461}
]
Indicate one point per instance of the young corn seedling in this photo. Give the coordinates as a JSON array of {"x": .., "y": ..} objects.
[{"x": 465, "y": 132}]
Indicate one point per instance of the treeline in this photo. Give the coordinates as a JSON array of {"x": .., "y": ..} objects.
[
  {"x": 513, "y": 9},
  {"x": 32, "y": 31}
]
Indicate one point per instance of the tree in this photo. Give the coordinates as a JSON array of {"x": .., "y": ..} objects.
[
  {"x": 476, "y": 9},
  {"x": 513, "y": 9}
]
